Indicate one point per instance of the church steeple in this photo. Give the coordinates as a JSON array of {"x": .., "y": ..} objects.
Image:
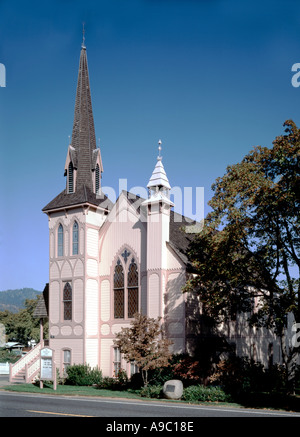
[
  {"x": 83, "y": 151},
  {"x": 83, "y": 165}
]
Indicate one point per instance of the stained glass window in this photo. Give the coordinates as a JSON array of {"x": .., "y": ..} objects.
[
  {"x": 119, "y": 291},
  {"x": 132, "y": 302},
  {"x": 133, "y": 274},
  {"x": 132, "y": 284},
  {"x": 129, "y": 284},
  {"x": 75, "y": 238},
  {"x": 60, "y": 241},
  {"x": 67, "y": 300}
]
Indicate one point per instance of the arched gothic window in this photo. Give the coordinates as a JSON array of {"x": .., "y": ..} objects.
[
  {"x": 67, "y": 301},
  {"x": 71, "y": 178},
  {"x": 60, "y": 241},
  {"x": 75, "y": 239},
  {"x": 133, "y": 291},
  {"x": 126, "y": 304},
  {"x": 119, "y": 291}
]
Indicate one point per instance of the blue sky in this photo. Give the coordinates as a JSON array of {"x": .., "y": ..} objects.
[{"x": 210, "y": 78}]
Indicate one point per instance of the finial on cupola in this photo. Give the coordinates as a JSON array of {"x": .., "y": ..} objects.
[{"x": 159, "y": 158}]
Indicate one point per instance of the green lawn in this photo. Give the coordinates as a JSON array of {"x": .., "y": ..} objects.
[
  {"x": 70, "y": 390},
  {"x": 261, "y": 401}
]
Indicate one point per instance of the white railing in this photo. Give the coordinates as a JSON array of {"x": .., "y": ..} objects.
[
  {"x": 32, "y": 369},
  {"x": 27, "y": 359}
]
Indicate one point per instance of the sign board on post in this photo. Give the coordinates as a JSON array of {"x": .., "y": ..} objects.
[{"x": 48, "y": 370}]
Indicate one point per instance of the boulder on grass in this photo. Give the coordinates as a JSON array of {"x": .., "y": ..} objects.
[{"x": 173, "y": 389}]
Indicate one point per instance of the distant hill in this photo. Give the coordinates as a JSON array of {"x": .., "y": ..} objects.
[{"x": 14, "y": 300}]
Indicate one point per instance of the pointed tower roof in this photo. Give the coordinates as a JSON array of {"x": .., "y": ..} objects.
[
  {"x": 83, "y": 135},
  {"x": 83, "y": 151},
  {"x": 158, "y": 184},
  {"x": 159, "y": 176}
]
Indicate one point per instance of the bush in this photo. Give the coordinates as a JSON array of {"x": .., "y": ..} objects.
[
  {"x": 200, "y": 393},
  {"x": 136, "y": 381},
  {"x": 152, "y": 391},
  {"x": 108, "y": 383},
  {"x": 122, "y": 378},
  {"x": 240, "y": 375},
  {"x": 83, "y": 374},
  {"x": 120, "y": 382}
]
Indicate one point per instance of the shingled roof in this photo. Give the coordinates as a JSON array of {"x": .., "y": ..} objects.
[
  {"x": 83, "y": 146},
  {"x": 180, "y": 239},
  {"x": 42, "y": 309},
  {"x": 81, "y": 196},
  {"x": 83, "y": 135}
]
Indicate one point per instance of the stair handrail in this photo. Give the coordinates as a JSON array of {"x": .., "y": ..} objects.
[
  {"x": 32, "y": 369},
  {"x": 26, "y": 359}
]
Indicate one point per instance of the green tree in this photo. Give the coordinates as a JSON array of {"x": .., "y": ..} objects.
[
  {"x": 22, "y": 326},
  {"x": 144, "y": 343},
  {"x": 249, "y": 246}
]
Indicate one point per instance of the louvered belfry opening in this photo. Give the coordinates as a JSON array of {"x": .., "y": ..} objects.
[
  {"x": 97, "y": 182},
  {"x": 71, "y": 178}
]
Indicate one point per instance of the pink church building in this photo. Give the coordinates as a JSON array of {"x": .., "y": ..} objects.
[{"x": 108, "y": 261}]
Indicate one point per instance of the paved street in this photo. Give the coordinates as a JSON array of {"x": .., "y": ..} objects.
[{"x": 36, "y": 405}]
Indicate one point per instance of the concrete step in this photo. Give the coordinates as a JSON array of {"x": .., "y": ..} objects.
[{"x": 19, "y": 377}]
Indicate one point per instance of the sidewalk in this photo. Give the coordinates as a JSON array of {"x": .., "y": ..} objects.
[{"x": 4, "y": 380}]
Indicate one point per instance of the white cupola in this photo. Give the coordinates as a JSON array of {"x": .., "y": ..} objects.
[{"x": 158, "y": 185}]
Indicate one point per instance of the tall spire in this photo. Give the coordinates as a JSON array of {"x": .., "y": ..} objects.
[
  {"x": 83, "y": 135},
  {"x": 83, "y": 36},
  {"x": 83, "y": 165}
]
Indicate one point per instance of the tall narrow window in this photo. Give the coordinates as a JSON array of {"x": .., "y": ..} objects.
[
  {"x": 97, "y": 181},
  {"x": 71, "y": 178},
  {"x": 133, "y": 368},
  {"x": 60, "y": 241},
  {"x": 66, "y": 360},
  {"x": 117, "y": 361},
  {"x": 253, "y": 352},
  {"x": 133, "y": 291},
  {"x": 119, "y": 291},
  {"x": 270, "y": 354},
  {"x": 67, "y": 301},
  {"x": 75, "y": 238}
]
